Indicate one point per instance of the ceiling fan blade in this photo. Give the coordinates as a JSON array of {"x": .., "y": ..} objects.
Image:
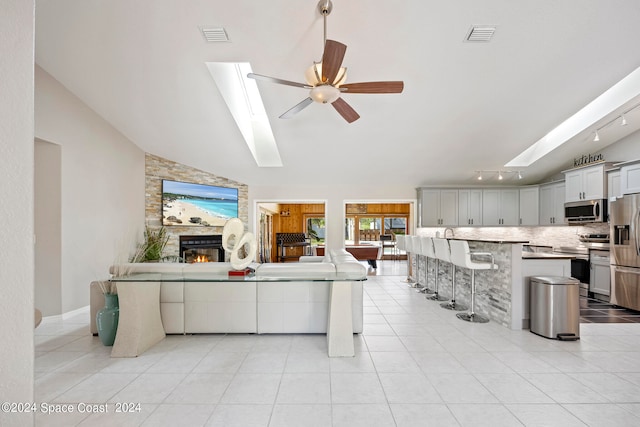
[
  {"x": 297, "y": 108},
  {"x": 279, "y": 81},
  {"x": 373, "y": 87},
  {"x": 332, "y": 60},
  {"x": 345, "y": 110}
]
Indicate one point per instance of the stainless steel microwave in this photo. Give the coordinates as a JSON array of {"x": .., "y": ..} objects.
[{"x": 585, "y": 211}]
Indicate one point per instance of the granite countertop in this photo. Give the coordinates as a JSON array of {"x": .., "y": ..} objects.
[
  {"x": 546, "y": 255},
  {"x": 508, "y": 241}
]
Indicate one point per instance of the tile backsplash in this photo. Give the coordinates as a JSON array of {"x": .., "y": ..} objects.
[{"x": 544, "y": 236}]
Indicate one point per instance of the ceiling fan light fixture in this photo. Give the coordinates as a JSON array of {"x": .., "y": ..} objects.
[
  {"x": 324, "y": 94},
  {"x": 313, "y": 75}
]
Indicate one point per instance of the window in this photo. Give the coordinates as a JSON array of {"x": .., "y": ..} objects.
[
  {"x": 395, "y": 225},
  {"x": 315, "y": 229}
]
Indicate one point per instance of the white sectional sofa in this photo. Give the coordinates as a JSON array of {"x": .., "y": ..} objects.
[{"x": 283, "y": 300}]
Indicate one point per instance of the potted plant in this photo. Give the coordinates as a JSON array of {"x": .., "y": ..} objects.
[{"x": 153, "y": 246}]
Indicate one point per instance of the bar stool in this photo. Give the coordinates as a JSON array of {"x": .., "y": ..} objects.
[
  {"x": 461, "y": 256},
  {"x": 452, "y": 304},
  {"x": 416, "y": 245},
  {"x": 404, "y": 244},
  {"x": 426, "y": 246},
  {"x": 441, "y": 252}
]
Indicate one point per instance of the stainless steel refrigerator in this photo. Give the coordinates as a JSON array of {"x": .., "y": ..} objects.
[{"x": 624, "y": 219}]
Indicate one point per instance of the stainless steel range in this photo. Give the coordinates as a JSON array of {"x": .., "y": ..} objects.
[
  {"x": 591, "y": 246},
  {"x": 579, "y": 265}
]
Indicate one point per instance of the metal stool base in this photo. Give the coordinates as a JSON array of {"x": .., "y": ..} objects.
[
  {"x": 426, "y": 290},
  {"x": 436, "y": 297},
  {"x": 472, "y": 317},
  {"x": 452, "y": 305}
]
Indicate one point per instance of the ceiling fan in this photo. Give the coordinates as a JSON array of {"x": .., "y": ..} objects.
[{"x": 326, "y": 79}]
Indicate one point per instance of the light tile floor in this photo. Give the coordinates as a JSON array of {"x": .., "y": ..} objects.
[{"x": 416, "y": 365}]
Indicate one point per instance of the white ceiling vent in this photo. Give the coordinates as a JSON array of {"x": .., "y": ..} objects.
[
  {"x": 480, "y": 33},
  {"x": 214, "y": 35}
]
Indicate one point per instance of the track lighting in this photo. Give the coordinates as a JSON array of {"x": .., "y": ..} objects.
[
  {"x": 622, "y": 118},
  {"x": 500, "y": 174}
]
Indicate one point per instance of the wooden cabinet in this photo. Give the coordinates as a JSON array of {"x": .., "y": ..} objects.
[
  {"x": 500, "y": 206},
  {"x": 585, "y": 183},
  {"x": 529, "y": 201},
  {"x": 469, "y": 207},
  {"x": 630, "y": 178},
  {"x": 552, "y": 204},
  {"x": 439, "y": 207}
]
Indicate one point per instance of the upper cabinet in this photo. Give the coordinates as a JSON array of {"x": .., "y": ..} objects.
[
  {"x": 585, "y": 183},
  {"x": 469, "y": 207},
  {"x": 552, "y": 204},
  {"x": 529, "y": 201},
  {"x": 439, "y": 207},
  {"x": 500, "y": 206},
  {"x": 630, "y": 178},
  {"x": 614, "y": 189}
]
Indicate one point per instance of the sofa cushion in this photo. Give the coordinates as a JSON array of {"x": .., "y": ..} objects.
[
  {"x": 307, "y": 269},
  {"x": 144, "y": 267}
]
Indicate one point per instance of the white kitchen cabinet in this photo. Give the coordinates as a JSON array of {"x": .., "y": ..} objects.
[
  {"x": 529, "y": 201},
  {"x": 586, "y": 183},
  {"x": 552, "y": 203},
  {"x": 439, "y": 207},
  {"x": 469, "y": 207},
  {"x": 630, "y": 179},
  {"x": 500, "y": 206},
  {"x": 600, "y": 277},
  {"x": 613, "y": 184}
]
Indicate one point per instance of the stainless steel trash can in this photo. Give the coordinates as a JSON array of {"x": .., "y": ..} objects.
[{"x": 555, "y": 307}]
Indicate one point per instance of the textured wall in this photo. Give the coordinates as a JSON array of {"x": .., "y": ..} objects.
[
  {"x": 16, "y": 207},
  {"x": 157, "y": 169},
  {"x": 493, "y": 287},
  {"x": 546, "y": 236}
]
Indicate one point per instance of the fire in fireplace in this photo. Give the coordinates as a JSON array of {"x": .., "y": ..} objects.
[{"x": 203, "y": 248}]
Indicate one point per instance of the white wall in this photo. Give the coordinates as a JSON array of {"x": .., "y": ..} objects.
[
  {"x": 16, "y": 209},
  {"x": 626, "y": 149},
  {"x": 48, "y": 226},
  {"x": 335, "y": 198},
  {"x": 102, "y": 187}
]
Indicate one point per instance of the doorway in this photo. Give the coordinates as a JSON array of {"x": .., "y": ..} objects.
[
  {"x": 302, "y": 223},
  {"x": 377, "y": 224}
]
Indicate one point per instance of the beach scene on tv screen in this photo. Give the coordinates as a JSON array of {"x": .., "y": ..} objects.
[{"x": 185, "y": 203}]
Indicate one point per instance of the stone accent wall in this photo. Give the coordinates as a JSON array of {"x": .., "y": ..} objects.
[
  {"x": 157, "y": 169},
  {"x": 493, "y": 287}
]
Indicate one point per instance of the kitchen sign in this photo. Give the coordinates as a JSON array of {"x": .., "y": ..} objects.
[{"x": 588, "y": 159}]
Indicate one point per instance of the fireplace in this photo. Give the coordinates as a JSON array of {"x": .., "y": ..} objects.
[{"x": 202, "y": 248}]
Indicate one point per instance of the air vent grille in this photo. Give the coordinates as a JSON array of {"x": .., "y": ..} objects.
[
  {"x": 214, "y": 35},
  {"x": 480, "y": 33}
]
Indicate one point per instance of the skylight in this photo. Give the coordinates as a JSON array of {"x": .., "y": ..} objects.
[
  {"x": 622, "y": 92},
  {"x": 243, "y": 100}
]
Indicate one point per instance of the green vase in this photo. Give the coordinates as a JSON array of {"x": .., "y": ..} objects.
[{"x": 107, "y": 319}]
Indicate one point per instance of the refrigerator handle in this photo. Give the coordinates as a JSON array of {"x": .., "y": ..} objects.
[{"x": 636, "y": 224}]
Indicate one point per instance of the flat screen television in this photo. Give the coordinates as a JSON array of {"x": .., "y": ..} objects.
[{"x": 200, "y": 205}]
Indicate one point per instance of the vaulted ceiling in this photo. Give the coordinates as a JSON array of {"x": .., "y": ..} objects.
[{"x": 466, "y": 106}]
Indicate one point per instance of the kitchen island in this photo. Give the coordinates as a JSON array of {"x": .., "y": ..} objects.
[{"x": 503, "y": 294}]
